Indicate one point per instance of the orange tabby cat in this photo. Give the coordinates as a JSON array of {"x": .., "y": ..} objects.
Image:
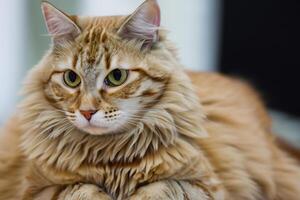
[{"x": 109, "y": 113}]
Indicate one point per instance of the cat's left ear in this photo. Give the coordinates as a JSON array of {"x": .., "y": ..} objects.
[
  {"x": 143, "y": 24},
  {"x": 59, "y": 25}
]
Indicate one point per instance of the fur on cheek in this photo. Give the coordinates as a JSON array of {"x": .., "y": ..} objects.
[{"x": 58, "y": 96}]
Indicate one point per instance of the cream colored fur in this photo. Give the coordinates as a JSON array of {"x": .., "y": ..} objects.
[{"x": 207, "y": 140}]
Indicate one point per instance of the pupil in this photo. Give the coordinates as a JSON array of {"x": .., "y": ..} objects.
[
  {"x": 72, "y": 76},
  {"x": 117, "y": 74}
]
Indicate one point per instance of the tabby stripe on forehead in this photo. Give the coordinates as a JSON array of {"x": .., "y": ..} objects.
[
  {"x": 86, "y": 38},
  {"x": 103, "y": 36},
  {"x": 93, "y": 35},
  {"x": 107, "y": 58},
  {"x": 94, "y": 45}
]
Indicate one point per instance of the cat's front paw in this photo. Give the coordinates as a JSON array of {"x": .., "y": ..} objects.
[
  {"x": 170, "y": 190},
  {"x": 84, "y": 192},
  {"x": 159, "y": 190}
]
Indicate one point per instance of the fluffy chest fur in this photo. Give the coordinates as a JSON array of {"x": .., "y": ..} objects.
[{"x": 121, "y": 180}]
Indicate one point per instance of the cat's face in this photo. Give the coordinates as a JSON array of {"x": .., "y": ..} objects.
[
  {"x": 100, "y": 80},
  {"x": 102, "y": 91}
]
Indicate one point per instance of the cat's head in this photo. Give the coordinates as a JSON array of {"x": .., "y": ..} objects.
[{"x": 104, "y": 73}]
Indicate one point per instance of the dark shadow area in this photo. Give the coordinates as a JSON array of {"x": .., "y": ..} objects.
[{"x": 260, "y": 42}]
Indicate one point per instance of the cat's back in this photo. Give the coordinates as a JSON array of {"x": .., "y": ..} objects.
[
  {"x": 227, "y": 99},
  {"x": 240, "y": 144}
]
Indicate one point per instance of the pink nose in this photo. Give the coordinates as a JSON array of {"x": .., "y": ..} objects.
[{"x": 88, "y": 113}]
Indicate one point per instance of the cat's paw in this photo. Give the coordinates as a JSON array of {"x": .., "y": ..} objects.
[
  {"x": 158, "y": 191},
  {"x": 170, "y": 190},
  {"x": 84, "y": 192}
]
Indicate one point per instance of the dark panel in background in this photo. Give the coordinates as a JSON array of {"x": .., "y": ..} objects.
[{"x": 261, "y": 43}]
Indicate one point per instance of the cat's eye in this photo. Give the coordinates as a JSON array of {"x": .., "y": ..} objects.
[
  {"x": 116, "y": 77},
  {"x": 71, "y": 79}
]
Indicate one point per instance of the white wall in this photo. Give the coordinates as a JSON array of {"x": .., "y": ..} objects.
[
  {"x": 11, "y": 54},
  {"x": 193, "y": 25}
]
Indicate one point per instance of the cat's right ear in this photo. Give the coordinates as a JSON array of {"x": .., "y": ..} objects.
[{"x": 60, "y": 26}]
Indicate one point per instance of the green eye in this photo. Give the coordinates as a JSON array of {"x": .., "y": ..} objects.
[
  {"x": 116, "y": 78},
  {"x": 71, "y": 79}
]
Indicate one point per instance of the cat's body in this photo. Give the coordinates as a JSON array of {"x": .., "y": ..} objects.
[{"x": 179, "y": 147}]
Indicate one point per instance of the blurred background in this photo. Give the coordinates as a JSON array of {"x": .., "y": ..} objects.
[{"x": 255, "y": 40}]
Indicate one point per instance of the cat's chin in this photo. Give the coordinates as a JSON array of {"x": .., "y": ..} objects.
[{"x": 92, "y": 130}]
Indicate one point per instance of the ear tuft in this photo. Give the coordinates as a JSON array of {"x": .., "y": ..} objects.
[
  {"x": 59, "y": 25},
  {"x": 143, "y": 24}
]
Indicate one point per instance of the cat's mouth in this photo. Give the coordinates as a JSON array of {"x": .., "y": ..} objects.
[{"x": 98, "y": 124}]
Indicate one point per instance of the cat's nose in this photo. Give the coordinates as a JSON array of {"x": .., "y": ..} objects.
[{"x": 88, "y": 113}]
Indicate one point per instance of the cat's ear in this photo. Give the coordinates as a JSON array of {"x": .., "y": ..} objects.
[
  {"x": 60, "y": 26},
  {"x": 143, "y": 24}
]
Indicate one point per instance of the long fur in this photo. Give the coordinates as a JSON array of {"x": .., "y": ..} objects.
[{"x": 207, "y": 140}]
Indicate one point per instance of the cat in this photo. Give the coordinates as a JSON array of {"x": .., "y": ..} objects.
[{"x": 109, "y": 113}]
